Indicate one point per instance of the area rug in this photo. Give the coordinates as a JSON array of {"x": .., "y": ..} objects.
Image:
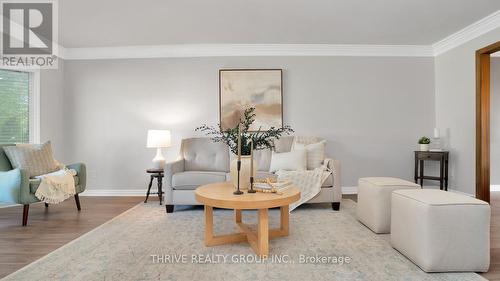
[{"x": 145, "y": 243}]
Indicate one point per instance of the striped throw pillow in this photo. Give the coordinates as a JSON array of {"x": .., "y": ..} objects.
[
  {"x": 315, "y": 153},
  {"x": 37, "y": 159}
]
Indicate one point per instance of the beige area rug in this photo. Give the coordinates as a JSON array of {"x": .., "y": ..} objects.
[{"x": 128, "y": 247}]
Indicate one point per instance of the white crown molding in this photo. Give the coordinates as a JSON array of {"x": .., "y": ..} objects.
[
  {"x": 468, "y": 33},
  {"x": 242, "y": 50}
]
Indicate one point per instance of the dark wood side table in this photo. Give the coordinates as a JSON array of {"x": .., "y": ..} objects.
[
  {"x": 158, "y": 174},
  {"x": 442, "y": 157}
]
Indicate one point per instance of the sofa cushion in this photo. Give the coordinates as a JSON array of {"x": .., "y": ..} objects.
[
  {"x": 315, "y": 153},
  {"x": 295, "y": 160},
  {"x": 202, "y": 154},
  {"x": 190, "y": 180}
]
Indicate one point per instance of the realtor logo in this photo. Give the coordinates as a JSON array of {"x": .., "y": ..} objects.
[{"x": 28, "y": 30}]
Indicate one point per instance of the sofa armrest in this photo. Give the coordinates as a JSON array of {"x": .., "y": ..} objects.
[
  {"x": 334, "y": 165},
  {"x": 81, "y": 172},
  {"x": 171, "y": 168}
]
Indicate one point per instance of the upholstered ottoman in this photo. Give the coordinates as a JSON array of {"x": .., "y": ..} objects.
[
  {"x": 374, "y": 201},
  {"x": 441, "y": 231}
]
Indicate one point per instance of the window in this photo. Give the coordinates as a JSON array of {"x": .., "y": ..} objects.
[{"x": 17, "y": 107}]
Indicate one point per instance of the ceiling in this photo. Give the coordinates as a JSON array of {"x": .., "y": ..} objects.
[{"x": 99, "y": 23}]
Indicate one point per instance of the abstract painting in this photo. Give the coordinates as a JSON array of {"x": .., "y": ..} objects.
[{"x": 240, "y": 89}]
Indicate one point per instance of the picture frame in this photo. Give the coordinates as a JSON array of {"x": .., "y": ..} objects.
[{"x": 240, "y": 89}]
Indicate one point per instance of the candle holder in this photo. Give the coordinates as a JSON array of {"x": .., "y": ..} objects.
[
  {"x": 251, "y": 190},
  {"x": 238, "y": 191}
]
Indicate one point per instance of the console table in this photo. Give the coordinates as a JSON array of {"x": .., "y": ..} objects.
[{"x": 442, "y": 157}]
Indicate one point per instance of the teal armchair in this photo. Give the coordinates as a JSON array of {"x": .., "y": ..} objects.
[{"x": 16, "y": 187}]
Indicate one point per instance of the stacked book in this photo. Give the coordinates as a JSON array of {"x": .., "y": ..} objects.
[{"x": 271, "y": 186}]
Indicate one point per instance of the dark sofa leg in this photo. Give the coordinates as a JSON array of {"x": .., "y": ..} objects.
[
  {"x": 170, "y": 208},
  {"x": 46, "y": 205},
  {"x": 336, "y": 206},
  {"x": 77, "y": 200},
  {"x": 26, "y": 209}
]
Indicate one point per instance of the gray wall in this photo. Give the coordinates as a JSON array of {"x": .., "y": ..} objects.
[
  {"x": 52, "y": 109},
  {"x": 371, "y": 110},
  {"x": 455, "y": 107},
  {"x": 495, "y": 122}
]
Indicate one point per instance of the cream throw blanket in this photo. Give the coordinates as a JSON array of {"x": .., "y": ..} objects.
[
  {"x": 309, "y": 182},
  {"x": 57, "y": 186}
]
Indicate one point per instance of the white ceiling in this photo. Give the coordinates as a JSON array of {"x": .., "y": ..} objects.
[{"x": 99, "y": 23}]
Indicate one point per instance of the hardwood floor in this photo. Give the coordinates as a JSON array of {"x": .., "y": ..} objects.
[{"x": 50, "y": 228}]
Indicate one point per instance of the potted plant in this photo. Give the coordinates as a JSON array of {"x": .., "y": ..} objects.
[
  {"x": 424, "y": 143},
  {"x": 261, "y": 140}
]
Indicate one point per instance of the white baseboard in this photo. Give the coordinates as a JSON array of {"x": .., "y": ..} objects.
[
  {"x": 114, "y": 192},
  {"x": 494, "y": 187},
  {"x": 142, "y": 192},
  {"x": 349, "y": 190}
]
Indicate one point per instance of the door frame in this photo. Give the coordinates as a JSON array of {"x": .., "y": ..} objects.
[{"x": 483, "y": 68}]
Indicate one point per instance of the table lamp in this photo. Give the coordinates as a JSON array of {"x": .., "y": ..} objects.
[{"x": 158, "y": 139}]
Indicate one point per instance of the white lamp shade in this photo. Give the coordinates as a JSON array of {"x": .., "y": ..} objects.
[{"x": 159, "y": 138}]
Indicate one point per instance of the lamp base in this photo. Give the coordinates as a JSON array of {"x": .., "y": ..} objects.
[
  {"x": 238, "y": 192},
  {"x": 159, "y": 160}
]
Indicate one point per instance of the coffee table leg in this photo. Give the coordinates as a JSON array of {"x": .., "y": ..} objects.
[
  {"x": 209, "y": 224},
  {"x": 285, "y": 217},
  {"x": 263, "y": 232},
  {"x": 237, "y": 215}
]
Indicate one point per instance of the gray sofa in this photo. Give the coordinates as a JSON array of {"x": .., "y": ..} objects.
[{"x": 202, "y": 161}]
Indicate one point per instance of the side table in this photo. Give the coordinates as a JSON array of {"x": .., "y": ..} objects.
[
  {"x": 158, "y": 174},
  {"x": 442, "y": 157}
]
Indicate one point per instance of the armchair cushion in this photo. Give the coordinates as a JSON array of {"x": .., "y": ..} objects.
[{"x": 190, "y": 180}]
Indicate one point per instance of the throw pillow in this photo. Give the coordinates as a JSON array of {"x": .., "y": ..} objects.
[
  {"x": 36, "y": 159},
  {"x": 293, "y": 161},
  {"x": 315, "y": 153}
]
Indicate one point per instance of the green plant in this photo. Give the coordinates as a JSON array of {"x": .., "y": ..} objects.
[
  {"x": 261, "y": 139},
  {"x": 424, "y": 140}
]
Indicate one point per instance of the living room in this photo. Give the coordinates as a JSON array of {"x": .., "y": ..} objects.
[{"x": 334, "y": 140}]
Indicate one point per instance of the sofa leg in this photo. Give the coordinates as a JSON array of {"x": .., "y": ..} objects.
[
  {"x": 26, "y": 209},
  {"x": 46, "y": 205},
  {"x": 336, "y": 206},
  {"x": 77, "y": 201},
  {"x": 170, "y": 208}
]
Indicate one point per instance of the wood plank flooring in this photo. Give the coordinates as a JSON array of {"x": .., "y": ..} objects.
[{"x": 49, "y": 229}]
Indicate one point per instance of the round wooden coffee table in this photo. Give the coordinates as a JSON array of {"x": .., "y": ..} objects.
[{"x": 221, "y": 195}]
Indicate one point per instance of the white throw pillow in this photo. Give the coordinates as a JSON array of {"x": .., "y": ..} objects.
[
  {"x": 292, "y": 161},
  {"x": 315, "y": 153}
]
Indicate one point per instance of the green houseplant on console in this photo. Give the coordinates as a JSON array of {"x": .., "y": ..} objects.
[
  {"x": 261, "y": 139},
  {"x": 424, "y": 143}
]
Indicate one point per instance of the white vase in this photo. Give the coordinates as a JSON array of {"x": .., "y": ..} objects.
[
  {"x": 244, "y": 171},
  {"x": 424, "y": 147}
]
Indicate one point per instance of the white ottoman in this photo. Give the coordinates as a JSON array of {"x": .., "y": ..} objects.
[
  {"x": 441, "y": 231},
  {"x": 374, "y": 201}
]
